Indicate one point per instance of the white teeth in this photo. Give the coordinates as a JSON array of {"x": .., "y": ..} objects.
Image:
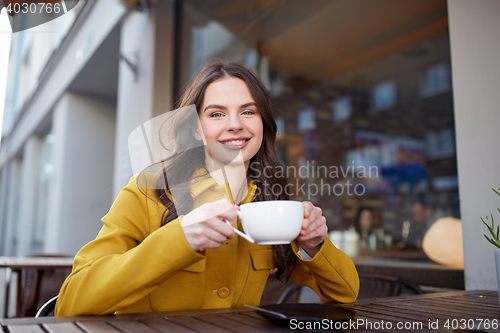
[{"x": 234, "y": 142}]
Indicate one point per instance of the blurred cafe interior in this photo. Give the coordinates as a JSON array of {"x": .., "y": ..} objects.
[{"x": 363, "y": 95}]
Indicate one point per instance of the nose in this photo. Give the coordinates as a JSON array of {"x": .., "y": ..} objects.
[{"x": 234, "y": 124}]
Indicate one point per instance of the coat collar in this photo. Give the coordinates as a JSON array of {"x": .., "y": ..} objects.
[{"x": 202, "y": 181}]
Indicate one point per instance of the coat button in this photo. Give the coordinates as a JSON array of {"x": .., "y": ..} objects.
[{"x": 223, "y": 292}]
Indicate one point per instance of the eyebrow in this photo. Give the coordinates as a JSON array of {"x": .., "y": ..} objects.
[{"x": 215, "y": 106}]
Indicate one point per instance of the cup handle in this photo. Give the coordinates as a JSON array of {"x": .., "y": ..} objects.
[{"x": 241, "y": 234}]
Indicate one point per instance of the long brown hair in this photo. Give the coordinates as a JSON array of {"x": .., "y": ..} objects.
[{"x": 184, "y": 163}]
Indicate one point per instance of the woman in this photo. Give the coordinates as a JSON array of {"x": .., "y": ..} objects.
[
  {"x": 364, "y": 225},
  {"x": 154, "y": 255}
]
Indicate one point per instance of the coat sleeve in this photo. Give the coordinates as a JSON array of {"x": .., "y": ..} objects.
[
  {"x": 125, "y": 262},
  {"x": 330, "y": 273}
]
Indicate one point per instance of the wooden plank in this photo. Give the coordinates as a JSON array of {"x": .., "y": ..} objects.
[
  {"x": 395, "y": 317},
  {"x": 254, "y": 315},
  {"x": 406, "y": 298},
  {"x": 386, "y": 318},
  {"x": 373, "y": 317},
  {"x": 42, "y": 320},
  {"x": 383, "y": 311},
  {"x": 62, "y": 328},
  {"x": 460, "y": 306},
  {"x": 131, "y": 326},
  {"x": 430, "y": 312},
  {"x": 16, "y": 263},
  {"x": 251, "y": 324},
  {"x": 97, "y": 327},
  {"x": 480, "y": 297},
  {"x": 197, "y": 325},
  {"x": 164, "y": 325},
  {"x": 248, "y": 318},
  {"x": 403, "y": 313},
  {"x": 228, "y": 324},
  {"x": 453, "y": 311},
  {"x": 25, "y": 329},
  {"x": 252, "y": 319},
  {"x": 473, "y": 301}
]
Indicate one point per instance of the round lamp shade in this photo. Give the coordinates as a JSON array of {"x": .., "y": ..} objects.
[{"x": 443, "y": 242}]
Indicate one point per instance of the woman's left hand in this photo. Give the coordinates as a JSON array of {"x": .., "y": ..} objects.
[{"x": 314, "y": 229}]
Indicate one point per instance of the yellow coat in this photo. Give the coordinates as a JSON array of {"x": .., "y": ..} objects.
[{"x": 134, "y": 265}]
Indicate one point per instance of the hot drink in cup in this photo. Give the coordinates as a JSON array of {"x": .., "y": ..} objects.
[{"x": 272, "y": 222}]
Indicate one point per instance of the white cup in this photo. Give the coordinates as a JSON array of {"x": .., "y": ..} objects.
[{"x": 271, "y": 222}]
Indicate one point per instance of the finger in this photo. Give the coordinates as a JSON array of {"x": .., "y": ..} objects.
[
  {"x": 305, "y": 224},
  {"x": 310, "y": 221},
  {"x": 206, "y": 211},
  {"x": 221, "y": 227},
  {"x": 318, "y": 220},
  {"x": 319, "y": 223},
  {"x": 313, "y": 215},
  {"x": 194, "y": 237},
  {"x": 229, "y": 215},
  {"x": 319, "y": 233},
  {"x": 307, "y": 208},
  {"x": 217, "y": 234},
  {"x": 201, "y": 244},
  {"x": 318, "y": 213},
  {"x": 217, "y": 208},
  {"x": 212, "y": 245}
]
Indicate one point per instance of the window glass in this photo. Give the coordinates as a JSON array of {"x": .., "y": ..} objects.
[
  {"x": 341, "y": 109},
  {"x": 364, "y": 99},
  {"x": 44, "y": 181},
  {"x": 384, "y": 95},
  {"x": 435, "y": 80}
]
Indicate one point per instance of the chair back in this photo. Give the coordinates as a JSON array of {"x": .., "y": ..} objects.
[
  {"x": 47, "y": 308},
  {"x": 371, "y": 286},
  {"x": 378, "y": 285},
  {"x": 35, "y": 286}
]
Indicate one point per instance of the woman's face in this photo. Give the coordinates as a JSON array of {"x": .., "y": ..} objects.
[
  {"x": 366, "y": 219},
  {"x": 230, "y": 121}
]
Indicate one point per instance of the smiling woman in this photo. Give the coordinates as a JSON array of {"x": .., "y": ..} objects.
[
  {"x": 168, "y": 248},
  {"x": 235, "y": 126}
]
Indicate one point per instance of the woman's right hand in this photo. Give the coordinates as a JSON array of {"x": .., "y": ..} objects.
[{"x": 203, "y": 227}]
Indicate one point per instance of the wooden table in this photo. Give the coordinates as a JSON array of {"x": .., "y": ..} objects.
[
  {"x": 375, "y": 315},
  {"x": 409, "y": 268},
  {"x": 16, "y": 264}
]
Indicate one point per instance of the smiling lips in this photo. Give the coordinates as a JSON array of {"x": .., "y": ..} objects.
[{"x": 238, "y": 143}]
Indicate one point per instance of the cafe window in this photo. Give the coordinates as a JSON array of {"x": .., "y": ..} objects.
[
  {"x": 435, "y": 80},
  {"x": 347, "y": 79},
  {"x": 384, "y": 95},
  {"x": 44, "y": 183},
  {"x": 341, "y": 109},
  {"x": 306, "y": 120},
  {"x": 440, "y": 144},
  {"x": 280, "y": 125}
]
